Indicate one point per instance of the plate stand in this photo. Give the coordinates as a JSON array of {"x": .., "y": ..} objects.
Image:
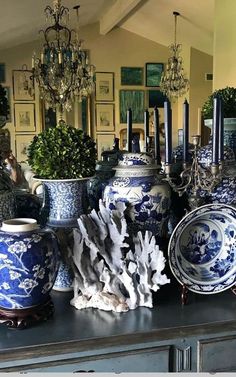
[
  {"x": 184, "y": 295},
  {"x": 233, "y": 289}
]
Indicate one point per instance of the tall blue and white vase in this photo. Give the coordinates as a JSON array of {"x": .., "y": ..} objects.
[
  {"x": 64, "y": 201},
  {"x": 147, "y": 196},
  {"x": 28, "y": 264}
]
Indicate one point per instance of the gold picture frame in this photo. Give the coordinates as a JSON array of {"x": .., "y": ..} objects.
[
  {"x": 104, "y": 86},
  {"x": 105, "y": 117},
  {"x": 24, "y": 117},
  {"x": 104, "y": 143},
  {"x": 23, "y": 85},
  {"x": 22, "y": 143}
]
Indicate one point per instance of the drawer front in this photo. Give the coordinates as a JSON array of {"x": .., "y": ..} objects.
[
  {"x": 217, "y": 354},
  {"x": 154, "y": 359}
]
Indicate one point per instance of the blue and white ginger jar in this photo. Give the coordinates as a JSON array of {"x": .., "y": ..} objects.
[
  {"x": 147, "y": 196},
  {"x": 28, "y": 263}
]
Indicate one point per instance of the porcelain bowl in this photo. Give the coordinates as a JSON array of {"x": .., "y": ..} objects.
[{"x": 202, "y": 249}]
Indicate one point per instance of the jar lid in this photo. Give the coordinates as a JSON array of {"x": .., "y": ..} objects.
[
  {"x": 135, "y": 159},
  {"x": 19, "y": 225}
]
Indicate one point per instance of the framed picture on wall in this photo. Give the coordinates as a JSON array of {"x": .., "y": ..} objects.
[
  {"x": 2, "y": 73},
  {"x": 133, "y": 99},
  {"x": 104, "y": 143},
  {"x": 153, "y": 73},
  {"x": 22, "y": 143},
  {"x": 24, "y": 117},
  {"x": 105, "y": 117},
  {"x": 23, "y": 85},
  {"x": 131, "y": 75},
  {"x": 104, "y": 86}
]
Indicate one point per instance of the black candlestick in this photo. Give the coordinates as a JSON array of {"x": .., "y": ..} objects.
[
  {"x": 215, "y": 132},
  {"x": 157, "y": 151},
  {"x": 129, "y": 130},
  {"x": 168, "y": 132},
  {"x": 221, "y": 130},
  {"x": 146, "y": 130},
  {"x": 185, "y": 130}
]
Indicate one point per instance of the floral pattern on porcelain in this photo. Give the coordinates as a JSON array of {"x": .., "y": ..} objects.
[
  {"x": 28, "y": 266},
  {"x": 205, "y": 155},
  {"x": 135, "y": 159},
  {"x": 64, "y": 201},
  {"x": 202, "y": 249}
]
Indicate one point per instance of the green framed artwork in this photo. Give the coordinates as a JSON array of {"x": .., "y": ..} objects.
[
  {"x": 156, "y": 98},
  {"x": 131, "y": 75},
  {"x": 153, "y": 74},
  {"x": 134, "y": 100}
]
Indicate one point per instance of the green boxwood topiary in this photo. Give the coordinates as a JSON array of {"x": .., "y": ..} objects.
[
  {"x": 228, "y": 96},
  {"x": 62, "y": 152}
]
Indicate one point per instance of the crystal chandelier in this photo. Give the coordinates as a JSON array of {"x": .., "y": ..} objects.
[
  {"x": 173, "y": 80},
  {"x": 62, "y": 71}
]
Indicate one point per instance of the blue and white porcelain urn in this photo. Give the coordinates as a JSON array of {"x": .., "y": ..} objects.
[
  {"x": 28, "y": 265},
  {"x": 147, "y": 196}
]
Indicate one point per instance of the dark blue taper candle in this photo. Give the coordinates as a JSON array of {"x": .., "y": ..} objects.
[
  {"x": 185, "y": 130},
  {"x": 215, "y": 131},
  {"x": 157, "y": 152},
  {"x": 129, "y": 130},
  {"x": 146, "y": 130},
  {"x": 168, "y": 132},
  {"x": 221, "y": 130}
]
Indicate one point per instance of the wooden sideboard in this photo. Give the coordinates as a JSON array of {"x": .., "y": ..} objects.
[{"x": 197, "y": 337}]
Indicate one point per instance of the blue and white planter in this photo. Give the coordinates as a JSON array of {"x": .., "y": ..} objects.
[
  {"x": 28, "y": 264},
  {"x": 229, "y": 132},
  {"x": 64, "y": 201},
  {"x": 146, "y": 195}
]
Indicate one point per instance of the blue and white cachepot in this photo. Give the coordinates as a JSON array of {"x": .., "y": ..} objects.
[
  {"x": 147, "y": 196},
  {"x": 64, "y": 201},
  {"x": 28, "y": 263}
]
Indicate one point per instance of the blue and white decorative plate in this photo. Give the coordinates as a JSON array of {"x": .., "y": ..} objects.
[{"x": 202, "y": 249}]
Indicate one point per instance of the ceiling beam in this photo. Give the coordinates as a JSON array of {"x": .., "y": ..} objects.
[{"x": 116, "y": 14}]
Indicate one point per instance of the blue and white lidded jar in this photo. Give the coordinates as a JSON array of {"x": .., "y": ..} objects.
[
  {"x": 28, "y": 264},
  {"x": 147, "y": 196}
]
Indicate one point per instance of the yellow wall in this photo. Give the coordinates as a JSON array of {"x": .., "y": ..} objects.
[
  {"x": 108, "y": 53},
  {"x": 224, "y": 50},
  {"x": 200, "y": 89}
]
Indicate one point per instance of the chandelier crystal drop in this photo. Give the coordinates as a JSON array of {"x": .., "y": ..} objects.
[
  {"x": 62, "y": 71},
  {"x": 173, "y": 80}
]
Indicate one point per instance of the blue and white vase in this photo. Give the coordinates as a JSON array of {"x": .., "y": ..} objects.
[
  {"x": 64, "y": 201},
  {"x": 147, "y": 196},
  {"x": 28, "y": 264}
]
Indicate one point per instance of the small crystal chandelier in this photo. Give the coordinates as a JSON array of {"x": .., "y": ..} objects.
[
  {"x": 173, "y": 81},
  {"x": 62, "y": 72}
]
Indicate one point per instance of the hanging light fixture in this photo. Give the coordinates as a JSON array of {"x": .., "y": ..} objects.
[
  {"x": 62, "y": 71},
  {"x": 173, "y": 80}
]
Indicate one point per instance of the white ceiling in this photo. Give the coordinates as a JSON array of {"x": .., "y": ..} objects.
[{"x": 21, "y": 20}]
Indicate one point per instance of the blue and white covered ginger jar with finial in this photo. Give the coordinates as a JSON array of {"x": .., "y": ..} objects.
[{"x": 147, "y": 196}]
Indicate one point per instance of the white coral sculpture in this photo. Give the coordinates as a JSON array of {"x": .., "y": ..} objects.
[{"x": 112, "y": 270}]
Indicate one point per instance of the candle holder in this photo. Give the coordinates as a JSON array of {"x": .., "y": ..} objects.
[{"x": 195, "y": 178}]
